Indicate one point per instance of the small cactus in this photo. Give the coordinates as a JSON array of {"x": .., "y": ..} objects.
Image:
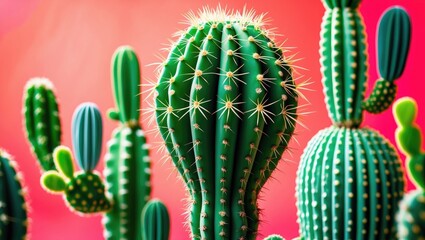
[
  {"x": 350, "y": 180},
  {"x": 155, "y": 221},
  {"x": 41, "y": 120},
  {"x": 274, "y": 237},
  {"x": 127, "y": 169},
  {"x": 411, "y": 216},
  {"x": 84, "y": 191},
  {"x": 13, "y": 208},
  {"x": 225, "y": 106}
]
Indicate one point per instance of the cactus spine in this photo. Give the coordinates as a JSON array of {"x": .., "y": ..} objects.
[
  {"x": 155, "y": 220},
  {"x": 84, "y": 191},
  {"x": 350, "y": 181},
  {"x": 127, "y": 169},
  {"x": 226, "y": 108},
  {"x": 41, "y": 120},
  {"x": 13, "y": 209},
  {"x": 411, "y": 216}
]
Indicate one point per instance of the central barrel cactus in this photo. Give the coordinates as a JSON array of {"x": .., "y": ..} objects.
[
  {"x": 226, "y": 106},
  {"x": 350, "y": 181}
]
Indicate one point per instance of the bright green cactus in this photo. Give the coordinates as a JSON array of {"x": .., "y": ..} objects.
[
  {"x": 42, "y": 122},
  {"x": 226, "y": 106},
  {"x": 411, "y": 216},
  {"x": 84, "y": 191},
  {"x": 155, "y": 221},
  {"x": 13, "y": 208},
  {"x": 274, "y": 237},
  {"x": 350, "y": 180},
  {"x": 127, "y": 169}
]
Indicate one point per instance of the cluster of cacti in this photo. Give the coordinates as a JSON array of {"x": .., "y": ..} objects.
[
  {"x": 42, "y": 121},
  {"x": 411, "y": 215},
  {"x": 84, "y": 191},
  {"x": 226, "y": 106},
  {"x": 127, "y": 170},
  {"x": 350, "y": 180},
  {"x": 13, "y": 208},
  {"x": 155, "y": 221}
]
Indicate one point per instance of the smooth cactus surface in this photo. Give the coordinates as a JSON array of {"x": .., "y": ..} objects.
[
  {"x": 155, "y": 221},
  {"x": 84, "y": 191},
  {"x": 411, "y": 216},
  {"x": 41, "y": 120},
  {"x": 127, "y": 170},
  {"x": 13, "y": 208},
  {"x": 225, "y": 104},
  {"x": 274, "y": 237},
  {"x": 350, "y": 181}
]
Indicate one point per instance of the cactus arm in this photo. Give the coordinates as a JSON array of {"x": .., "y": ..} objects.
[
  {"x": 13, "y": 212},
  {"x": 393, "y": 47},
  {"x": 409, "y": 139},
  {"x": 126, "y": 80},
  {"x": 156, "y": 221},
  {"x": 227, "y": 123},
  {"x": 53, "y": 182},
  {"x": 87, "y": 136},
  {"x": 177, "y": 122},
  {"x": 63, "y": 161},
  {"x": 41, "y": 119}
]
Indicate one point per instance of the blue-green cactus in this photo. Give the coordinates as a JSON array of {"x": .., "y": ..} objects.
[
  {"x": 155, "y": 221},
  {"x": 13, "y": 208},
  {"x": 84, "y": 191}
]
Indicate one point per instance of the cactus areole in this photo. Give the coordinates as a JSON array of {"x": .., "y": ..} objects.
[
  {"x": 225, "y": 104},
  {"x": 350, "y": 181}
]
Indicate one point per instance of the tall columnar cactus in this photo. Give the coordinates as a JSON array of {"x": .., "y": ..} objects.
[
  {"x": 13, "y": 208},
  {"x": 350, "y": 180},
  {"x": 155, "y": 221},
  {"x": 226, "y": 108},
  {"x": 127, "y": 169},
  {"x": 42, "y": 122},
  {"x": 84, "y": 191},
  {"x": 411, "y": 216}
]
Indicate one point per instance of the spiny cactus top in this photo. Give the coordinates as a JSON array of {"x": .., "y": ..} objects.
[
  {"x": 344, "y": 60},
  {"x": 226, "y": 107},
  {"x": 13, "y": 208},
  {"x": 41, "y": 120}
]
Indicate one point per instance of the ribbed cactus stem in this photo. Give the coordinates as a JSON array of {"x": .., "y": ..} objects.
[
  {"x": 41, "y": 119},
  {"x": 13, "y": 208},
  {"x": 240, "y": 113},
  {"x": 156, "y": 221},
  {"x": 127, "y": 169}
]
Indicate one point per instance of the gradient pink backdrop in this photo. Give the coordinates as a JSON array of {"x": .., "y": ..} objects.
[{"x": 71, "y": 42}]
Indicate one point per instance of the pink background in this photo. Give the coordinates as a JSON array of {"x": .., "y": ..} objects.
[{"x": 71, "y": 42}]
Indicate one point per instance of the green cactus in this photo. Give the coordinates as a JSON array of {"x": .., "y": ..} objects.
[
  {"x": 411, "y": 216},
  {"x": 155, "y": 221},
  {"x": 127, "y": 169},
  {"x": 350, "y": 180},
  {"x": 41, "y": 120},
  {"x": 84, "y": 191},
  {"x": 225, "y": 106},
  {"x": 274, "y": 237},
  {"x": 13, "y": 208}
]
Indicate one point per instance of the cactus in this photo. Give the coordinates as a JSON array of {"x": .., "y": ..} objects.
[
  {"x": 84, "y": 191},
  {"x": 13, "y": 208},
  {"x": 127, "y": 169},
  {"x": 411, "y": 216},
  {"x": 155, "y": 221},
  {"x": 41, "y": 120},
  {"x": 225, "y": 105},
  {"x": 274, "y": 237},
  {"x": 350, "y": 181}
]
